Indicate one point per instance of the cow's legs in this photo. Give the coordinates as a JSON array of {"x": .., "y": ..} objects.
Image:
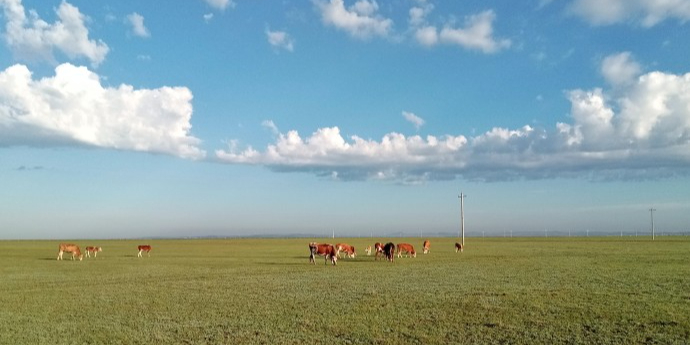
[
  {"x": 59, "y": 255},
  {"x": 139, "y": 255}
]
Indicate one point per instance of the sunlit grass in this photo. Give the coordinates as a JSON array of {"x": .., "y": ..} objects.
[{"x": 253, "y": 291}]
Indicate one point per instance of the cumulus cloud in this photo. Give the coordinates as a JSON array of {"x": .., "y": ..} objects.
[
  {"x": 136, "y": 20},
  {"x": 620, "y": 69},
  {"x": 359, "y": 20},
  {"x": 644, "y": 12},
  {"x": 73, "y": 108},
  {"x": 30, "y": 37},
  {"x": 476, "y": 34},
  {"x": 220, "y": 4},
  {"x": 641, "y": 131},
  {"x": 280, "y": 39},
  {"x": 417, "y": 121}
]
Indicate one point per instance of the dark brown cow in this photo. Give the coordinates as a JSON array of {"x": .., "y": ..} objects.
[
  {"x": 144, "y": 248},
  {"x": 406, "y": 248},
  {"x": 93, "y": 250},
  {"x": 378, "y": 248},
  {"x": 345, "y": 248},
  {"x": 458, "y": 247},
  {"x": 426, "y": 246},
  {"x": 323, "y": 249},
  {"x": 389, "y": 251},
  {"x": 70, "y": 248}
]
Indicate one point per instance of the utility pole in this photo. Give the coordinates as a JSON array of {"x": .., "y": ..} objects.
[
  {"x": 651, "y": 212},
  {"x": 462, "y": 217}
]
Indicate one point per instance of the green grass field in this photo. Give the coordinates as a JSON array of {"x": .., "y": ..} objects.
[{"x": 264, "y": 291}]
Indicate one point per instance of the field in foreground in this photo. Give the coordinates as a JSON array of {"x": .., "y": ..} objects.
[{"x": 264, "y": 291}]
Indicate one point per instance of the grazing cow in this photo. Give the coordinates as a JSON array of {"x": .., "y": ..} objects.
[
  {"x": 426, "y": 246},
  {"x": 345, "y": 248},
  {"x": 458, "y": 247},
  {"x": 93, "y": 250},
  {"x": 323, "y": 249},
  {"x": 70, "y": 248},
  {"x": 389, "y": 251},
  {"x": 144, "y": 248},
  {"x": 378, "y": 247},
  {"x": 368, "y": 250},
  {"x": 406, "y": 248}
]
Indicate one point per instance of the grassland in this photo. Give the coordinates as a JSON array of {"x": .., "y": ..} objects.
[{"x": 264, "y": 291}]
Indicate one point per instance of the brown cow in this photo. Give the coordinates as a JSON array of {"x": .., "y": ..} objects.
[
  {"x": 378, "y": 248},
  {"x": 389, "y": 251},
  {"x": 407, "y": 249},
  {"x": 323, "y": 249},
  {"x": 426, "y": 246},
  {"x": 144, "y": 248},
  {"x": 93, "y": 250},
  {"x": 458, "y": 247},
  {"x": 345, "y": 248},
  {"x": 70, "y": 248}
]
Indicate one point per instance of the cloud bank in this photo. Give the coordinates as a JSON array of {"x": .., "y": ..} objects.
[
  {"x": 33, "y": 38},
  {"x": 73, "y": 108},
  {"x": 641, "y": 132}
]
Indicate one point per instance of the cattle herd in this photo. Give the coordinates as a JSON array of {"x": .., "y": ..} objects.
[
  {"x": 76, "y": 251},
  {"x": 329, "y": 251},
  {"x": 388, "y": 251}
]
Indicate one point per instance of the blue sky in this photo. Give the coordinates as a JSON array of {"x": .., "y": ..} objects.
[{"x": 216, "y": 117}]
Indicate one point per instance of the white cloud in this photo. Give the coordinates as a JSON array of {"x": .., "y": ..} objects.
[
  {"x": 220, "y": 4},
  {"x": 33, "y": 38},
  {"x": 645, "y": 12},
  {"x": 477, "y": 34},
  {"x": 641, "y": 131},
  {"x": 413, "y": 119},
  {"x": 427, "y": 36},
  {"x": 73, "y": 108},
  {"x": 271, "y": 126},
  {"x": 280, "y": 39},
  {"x": 359, "y": 20},
  {"x": 418, "y": 14},
  {"x": 620, "y": 69},
  {"x": 137, "y": 22},
  {"x": 208, "y": 17}
]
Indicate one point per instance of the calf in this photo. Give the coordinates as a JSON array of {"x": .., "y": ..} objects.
[
  {"x": 144, "y": 248},
  {"x": 323, "y": 249},
  {"x": 426, "y": 246},
  {"x": 458, "y": 247},
  {"x": 93, "y": 250},
  {"x": 389, "y": 251},
  {"x": 345, "y": 248},
  {"x": 70, "y": 248},
  {"x": 368, "y": 250},
  {"x": 407, "y": 249}
]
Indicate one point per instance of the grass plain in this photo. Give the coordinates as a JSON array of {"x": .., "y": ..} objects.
[{"x": 264, "y": 291}]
